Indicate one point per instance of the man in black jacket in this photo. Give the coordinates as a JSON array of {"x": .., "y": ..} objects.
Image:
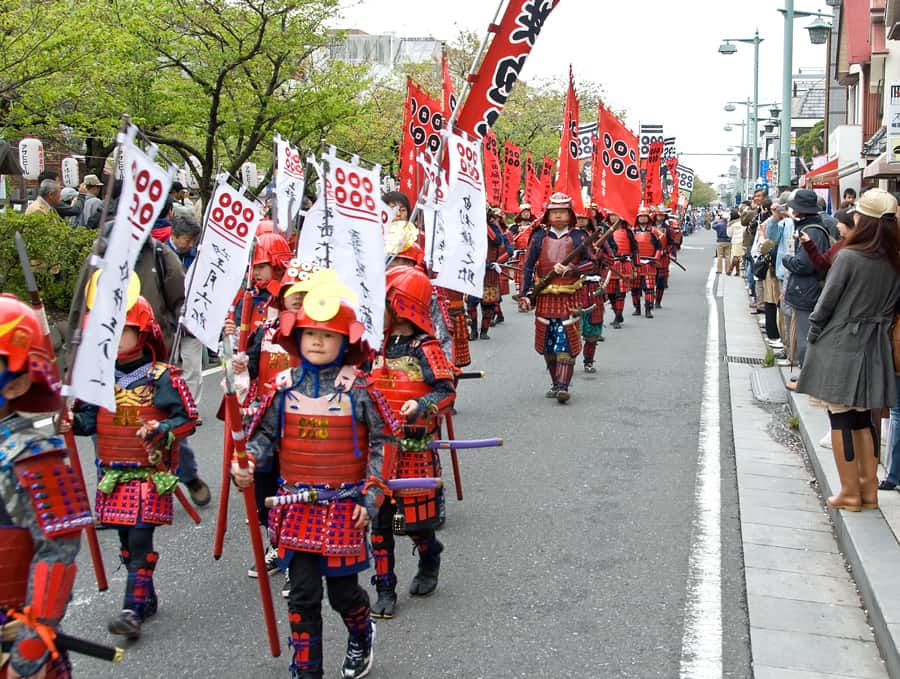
[{"x": 803, "y": 283}]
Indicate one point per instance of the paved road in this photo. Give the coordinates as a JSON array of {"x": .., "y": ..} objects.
[{"x": 568, "y": 556}]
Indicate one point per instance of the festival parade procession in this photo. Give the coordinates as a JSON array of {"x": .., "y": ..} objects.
[{"x": 274, "y": 283}]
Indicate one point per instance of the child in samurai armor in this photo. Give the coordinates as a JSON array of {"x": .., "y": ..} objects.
[
  {"x": 417, "y": 380},
  {"x": 137, "y": 453},
  {"x": 326, "y": 425},
  {"x": 623, "y": 248},
  {"x": 498, "y": 251},
  {"x": 557, "y": 320},
  {"x": 592, "y": 298},
  {"x": 43, "y": 506},
  {"x": 648, "y": 248},
  {"x": 669, "y": 241}
]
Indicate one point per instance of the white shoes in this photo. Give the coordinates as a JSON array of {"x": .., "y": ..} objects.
[{"x": 775, "y": 344}]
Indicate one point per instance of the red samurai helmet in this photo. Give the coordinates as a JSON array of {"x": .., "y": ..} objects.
[
  {"x": 408, "y": 293},
  {"x": 272, "y": 249},
  {"x": 22, "y": 345},
  {"x": 559, "y": 201}
]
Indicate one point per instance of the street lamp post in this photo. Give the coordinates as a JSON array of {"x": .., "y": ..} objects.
[
  {"x": 727, "y": 48},
  {"x": 815, "y": 32}
]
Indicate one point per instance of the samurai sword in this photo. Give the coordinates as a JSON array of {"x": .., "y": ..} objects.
[
  {"x": 677, "y": 263},
  {"x": 38, "y": 305},
  {"x": 462, "y": 444},
  {"x": 64, "y": 642},
  {"x": 470, "y": 375},
  {"x": 313, "y": 495}
]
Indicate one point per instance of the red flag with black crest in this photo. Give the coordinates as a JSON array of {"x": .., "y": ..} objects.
[
  {"x": 546, "y": 185},
  {"x": 534, "y": 191},
  {"x": 616, "y": 179},
  {"x": 513, "y": 39},
  {"x": 512, "y": 176},
  {"x": 422, "y": 124},
  {"x": 493, "y": 178},
  {"x": 449, "y": 96},
  {"x": 653, "y": 191},
  {"x": 568, "y": 180},
  {"x": 672, "y": 170}
]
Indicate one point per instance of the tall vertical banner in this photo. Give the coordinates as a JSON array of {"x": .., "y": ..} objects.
[
  {"x": 512, "y": 176},
  {"x": 567, "y": 176},
  {"x": 653, "y": 188},
  {"x": 513, "y": 39},
  {"x": 493, "y": 178},
  {"x": 648, "y": 134},
  {"x": 685, "y": 183},
  {"x": 546, "y": 185},
  {"x": 290, "y": 182},
  {"x": 433, "y": 211},
  {"x": 534, "y": 191},
  {"x": 671, "y": 200},
  {"x": 422, "y": 125},
  {"x": 616, "y": 181},
  {"x": 231, "y": 221},
  {"x": 346, "y": 235},
  {"x": 145, "y": 187},
  {"x": 464, "y": 262}
]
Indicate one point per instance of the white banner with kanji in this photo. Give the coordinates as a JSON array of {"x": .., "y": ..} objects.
[
  {"x": 343, "y": 231},
  {"x": 216, "y": 275},
  {"x": 290, "y": 181},
  {"x": 465, "y": 227},
  {"x": 145, "y": 187},
  {"x": 432, "y": 212}
]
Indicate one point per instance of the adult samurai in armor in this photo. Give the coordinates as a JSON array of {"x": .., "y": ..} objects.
[
  {"x": 417, "y": 380},
  {"x": 624, "y": 249},
  {"x": 137, "y": 452},
  {"x": 328, "y": 427},
  {"x": 557, "y": 319},
  {"x": 498, "y": 251},
  {"x": 648, "y": 247},
  {"x": 43, "y": 507},
  {"x": 669, "y": 236}
]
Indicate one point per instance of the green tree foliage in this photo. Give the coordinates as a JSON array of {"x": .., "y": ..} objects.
[
  {"x": 703, "y": 194},
  {"x": 812, "y": 142},
  {"x": 56, "y": 250}
]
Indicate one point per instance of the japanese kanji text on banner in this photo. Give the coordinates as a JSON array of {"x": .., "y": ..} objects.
[
  {"x": 464, "y": 221},
  {"x": 289, "y": 184},
  {"x": 231, "y": 224},
  {"x": 145, "y": 187},
  {"x": 346, "y": 234}
]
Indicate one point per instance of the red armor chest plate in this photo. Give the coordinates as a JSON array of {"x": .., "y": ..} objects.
[
  {"x": 645, "y": 243},
  {"x": 623, "y": 242},
  {"x": 117, "y": 443},
  {"x": 399, "y": 380},
  {"x": 16, "y": 552},
  {"x": 553, "y": 251},
  {"x": 317, "y": 440}
]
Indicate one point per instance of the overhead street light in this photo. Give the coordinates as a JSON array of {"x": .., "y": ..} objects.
[
  {"x": 730, "y": 108},
  {"x": 727, "y": 48},
  {"x": 819, "y": 30}
]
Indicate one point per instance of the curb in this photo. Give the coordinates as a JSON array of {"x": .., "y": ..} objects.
[{"x": 867, "y": 541}]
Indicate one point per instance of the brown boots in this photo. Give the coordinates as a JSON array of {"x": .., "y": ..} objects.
[
  {"x": 848, "y": 497},
  {"x": 856, "y": 447}
]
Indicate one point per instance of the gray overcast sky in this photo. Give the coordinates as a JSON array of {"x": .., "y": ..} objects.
[{"x": 657, "y": 59}]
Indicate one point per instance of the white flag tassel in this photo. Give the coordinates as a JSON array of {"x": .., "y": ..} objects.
[
  {"x": 231, "y": 223},
  {"x": 465, "y": 221},
  {"x": 145, "y": 187},
  {"x": 343, "y": 231}
]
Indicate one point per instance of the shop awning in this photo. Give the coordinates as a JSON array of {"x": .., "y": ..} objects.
[
  {"x": 823, "y": 176},
  {"x": 881, "y": 169}
]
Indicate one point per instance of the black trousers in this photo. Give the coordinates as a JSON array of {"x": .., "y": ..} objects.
[
  {"x": 344, "y": 592},
  {"x": 772, "y": 321}
]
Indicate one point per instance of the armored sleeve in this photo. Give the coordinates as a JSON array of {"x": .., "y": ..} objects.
[
  {"x": 265, "y": 432},
  {"x": 438, "y": 373},
  {"x": 173, "y": 396},
  {"x": 372, "y": 410}
]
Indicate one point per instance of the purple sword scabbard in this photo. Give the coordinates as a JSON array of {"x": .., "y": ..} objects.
[{"x": 458, "y": 444}]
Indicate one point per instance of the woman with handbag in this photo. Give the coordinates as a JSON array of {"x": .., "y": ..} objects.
[{"x": 849, "y": 364}]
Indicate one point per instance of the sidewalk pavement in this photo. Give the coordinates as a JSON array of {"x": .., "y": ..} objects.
[{"x": 806, "y": 617}]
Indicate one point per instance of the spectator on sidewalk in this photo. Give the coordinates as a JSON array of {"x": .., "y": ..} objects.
[
  {"x": 822, "y": 260},
  {"x": 723, "y": 242},
  {"x": 737, "y": 232},
  {"x": 803, "y": 285},
  {"x": 849, "y": 364},
  {"x": 47, "y": 199}
]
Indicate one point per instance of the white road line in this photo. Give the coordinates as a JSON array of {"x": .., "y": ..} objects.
[{"x": 701, "y": 647}]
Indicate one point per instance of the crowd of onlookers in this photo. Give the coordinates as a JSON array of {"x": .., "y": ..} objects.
[{"x": 827, "y": 288}]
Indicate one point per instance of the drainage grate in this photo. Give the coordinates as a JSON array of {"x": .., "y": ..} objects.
[{"x": 745, "y": 360}]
